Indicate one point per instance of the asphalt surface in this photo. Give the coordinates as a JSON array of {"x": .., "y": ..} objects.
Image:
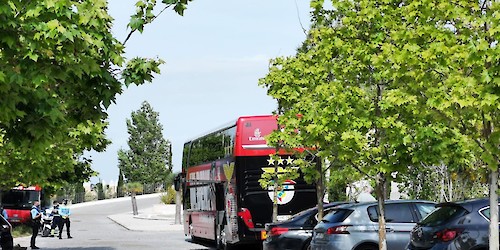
[{"x": 110, "y": 225}]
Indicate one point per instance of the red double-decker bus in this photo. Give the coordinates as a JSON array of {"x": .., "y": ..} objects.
[
  {"x": 222, "y": 198},
  {"x": 18, "y": 202}
]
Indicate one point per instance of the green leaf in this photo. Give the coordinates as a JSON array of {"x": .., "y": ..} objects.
[
  {"x": 53, "y": 24},
  {"x": 136, "y": 24},
  {"x": 485, "y": 76},
  {"x": 169, "y": 1},
  {"x": 179, "y": 8}
]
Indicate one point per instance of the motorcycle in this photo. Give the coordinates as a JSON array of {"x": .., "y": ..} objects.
[{"x": 46, "y": 223}]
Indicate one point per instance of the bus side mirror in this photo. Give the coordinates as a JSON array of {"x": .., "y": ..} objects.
[{"x": 177, "y": 182}]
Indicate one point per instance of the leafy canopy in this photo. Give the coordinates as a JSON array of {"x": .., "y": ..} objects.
[
  {"x": 60, "y": 69},
  {"x": 148, "y": 159}
]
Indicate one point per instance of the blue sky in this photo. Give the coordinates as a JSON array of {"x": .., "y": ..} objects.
[{"x": 215, "y": 55}]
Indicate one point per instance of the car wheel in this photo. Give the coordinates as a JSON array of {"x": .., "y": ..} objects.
[
  {"x": 307, "y": 245},
  {"x": 367, "y": 247}
]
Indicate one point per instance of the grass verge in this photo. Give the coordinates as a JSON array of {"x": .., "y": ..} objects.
[{"x": 21, "y": 231}]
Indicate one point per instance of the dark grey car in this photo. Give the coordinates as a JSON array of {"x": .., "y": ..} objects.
[
  {"x": 296, "y": 232},
  {"x": 6, "y": 241},
  {"x": 454, "y": 226},
  {"x": 355, "y": 226}
]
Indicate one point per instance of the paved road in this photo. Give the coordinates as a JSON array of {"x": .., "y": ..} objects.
[{"x": 93, "y": 230}]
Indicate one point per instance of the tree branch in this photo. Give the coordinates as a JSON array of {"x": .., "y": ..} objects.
[
  {"x": 359, "y": 170},
  {"x": 300, "y": 21},
  {"x": 152, "y": 19}
]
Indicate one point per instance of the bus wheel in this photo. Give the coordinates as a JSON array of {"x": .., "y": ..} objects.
[
  {"x": 218, "y": 237},
  {"x": 193, "y": 238},
  {"x": 223, "y": 244}
]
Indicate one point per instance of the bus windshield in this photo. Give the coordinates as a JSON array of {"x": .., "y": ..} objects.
[{"x": 20, "y": 198}]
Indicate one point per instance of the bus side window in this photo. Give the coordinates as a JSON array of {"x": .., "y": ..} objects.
[
  {"x": 219, "y": 197},
  {"x": 187, "y": 198}
]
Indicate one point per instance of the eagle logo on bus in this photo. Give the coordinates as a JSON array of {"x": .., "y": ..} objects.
[{"x": 285, "y": 193}]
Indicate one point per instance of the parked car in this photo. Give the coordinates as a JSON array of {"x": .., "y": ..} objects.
[
  {"x": 355, "y": 226},
  {"x": 6, "y": 241},
  {"x": 452, "y": 226},
  {"x": 296, "y": 232}
]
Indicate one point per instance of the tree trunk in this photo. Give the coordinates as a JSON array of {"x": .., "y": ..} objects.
[
  {"x": 493, "y": 236},
  {"x": 134, "y": 204},
  {"x": 442, "y": 193},
  {"x": 178, "y": 204},
  {"x": 320, "y": 188},
  {"x": 275, "y": 194},
  {"x": 450, "y": 190},
  {"x": 380, "y": 189}
]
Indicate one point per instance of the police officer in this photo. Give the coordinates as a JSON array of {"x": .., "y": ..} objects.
[
  {"x": 56, "y": 218},
  {"x": 65, "y": 213},
  {"x": 35, "y": 222},
  {"x": 4, "y": 212}
]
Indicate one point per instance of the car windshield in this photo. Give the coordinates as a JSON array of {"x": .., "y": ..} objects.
[
  {"x": 337, "y": 215},
  {"x": 425, "y": 208},
  {"x": 442, "y": 215},
  {"x": 300, "y": 213}
]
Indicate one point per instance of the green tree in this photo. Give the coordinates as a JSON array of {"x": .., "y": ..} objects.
[
  {"x": 340, "y": 98},
  {"x": 341, "y": 177},
  {"x": 60, "y": 69},
  {"x": 148, "y": 157},
  {"x": 446, "y": 53},
  {"x": 444, "y": 184},
  {"x": 119, "y": 188}
]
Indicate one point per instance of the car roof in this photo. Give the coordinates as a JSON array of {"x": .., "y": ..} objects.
[
  {"x": 326, "y": 205},
  {"x": 308, "y": 212},
  {"x": 372, "y": 203},
  {"x": 469, "y": 205}
]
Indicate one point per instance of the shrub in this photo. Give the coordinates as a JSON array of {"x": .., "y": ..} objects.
[
  {"x": 90, "y": 196},
  {"x": 169, "y": 196}
]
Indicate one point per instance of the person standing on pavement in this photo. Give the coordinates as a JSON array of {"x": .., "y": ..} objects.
[
  {"x": 36, "y": 216},
  {"x": 56, "y": 218},
  {"x": 4, "y": 212},
  {"x": 65, "y": 213}
]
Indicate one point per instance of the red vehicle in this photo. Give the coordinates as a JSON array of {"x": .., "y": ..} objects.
[
  {"x": 223, "y": 200},
  {"x": 18, "y": 202}
]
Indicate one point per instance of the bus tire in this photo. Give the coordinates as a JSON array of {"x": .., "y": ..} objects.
[
  {"x": 224, "y": 245},
  {"x": 218, "y": 238},
  {"x": 190, "y": 226}
]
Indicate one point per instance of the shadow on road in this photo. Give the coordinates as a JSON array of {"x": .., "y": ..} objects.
[
  {"x": 78, "y": 248},
  {"x": 210, "y": 245}
]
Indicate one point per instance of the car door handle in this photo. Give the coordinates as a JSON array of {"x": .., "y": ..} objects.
[{"x": 388, "y": 229}]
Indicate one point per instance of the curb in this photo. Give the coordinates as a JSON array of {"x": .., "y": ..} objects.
[{"x": 91, "y": 203}]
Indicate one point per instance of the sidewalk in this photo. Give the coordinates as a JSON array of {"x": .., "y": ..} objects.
[{"x": 159, "y": 218}]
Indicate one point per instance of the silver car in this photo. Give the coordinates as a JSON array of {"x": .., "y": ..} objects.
[{"x": 355, "y": 226}]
